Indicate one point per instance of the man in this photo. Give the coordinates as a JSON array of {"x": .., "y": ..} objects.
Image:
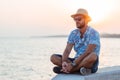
[{"x": 86, "y": 43}]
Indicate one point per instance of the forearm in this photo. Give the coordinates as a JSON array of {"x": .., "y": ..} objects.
[
  {"x": 67, "y": 52},
  {"x": 89, "y": 50},
  {"x": 80, "y": 58},
  {"x": 65, "y": 55}
]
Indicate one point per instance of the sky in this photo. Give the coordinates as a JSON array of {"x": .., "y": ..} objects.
[{"x": 52, "y": 17}]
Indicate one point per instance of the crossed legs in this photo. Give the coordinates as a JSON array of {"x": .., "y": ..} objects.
[{"x": 87, "y": 62}]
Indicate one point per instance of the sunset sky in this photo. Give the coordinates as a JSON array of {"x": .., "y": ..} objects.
[{"x": 52, "y": 17}]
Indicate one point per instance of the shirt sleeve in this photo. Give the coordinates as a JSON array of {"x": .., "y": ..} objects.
[
  {"x": 94, "y": 38},
  {"x": 71, "y": 38}
]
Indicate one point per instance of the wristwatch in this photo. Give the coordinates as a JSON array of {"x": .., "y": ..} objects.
[{"x": 73, "y": 63}]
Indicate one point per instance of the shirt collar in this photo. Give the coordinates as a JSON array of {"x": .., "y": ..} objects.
[{"x": 86, "y": 32}]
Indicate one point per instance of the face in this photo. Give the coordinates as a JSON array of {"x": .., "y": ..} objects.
[{"x": 80, "y": 21}]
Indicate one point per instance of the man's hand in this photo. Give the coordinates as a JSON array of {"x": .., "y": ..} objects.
[
  {"x": 69, "y": 67},
  {"x": 64, "y": 67}
]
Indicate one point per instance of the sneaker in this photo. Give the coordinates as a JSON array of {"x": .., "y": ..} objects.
[
  {"x": 85, "y": 71},
  {"x": 57, "y": 70}
]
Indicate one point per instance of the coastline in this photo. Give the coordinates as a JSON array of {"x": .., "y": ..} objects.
[{"x": 64, "y": 36}]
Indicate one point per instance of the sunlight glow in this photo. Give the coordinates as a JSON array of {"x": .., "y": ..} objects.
[
  {"x": 43, "y": 17},
  {"x": 98, "y": 10}
]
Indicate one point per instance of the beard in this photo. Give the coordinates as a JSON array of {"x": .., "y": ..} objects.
[{"x": 80, "y": 26}]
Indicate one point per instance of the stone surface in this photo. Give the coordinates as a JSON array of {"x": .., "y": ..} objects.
[{"x": 108, "y": 73}]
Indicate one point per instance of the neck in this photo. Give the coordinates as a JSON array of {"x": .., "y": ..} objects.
[{"x": 82, "y": 31}]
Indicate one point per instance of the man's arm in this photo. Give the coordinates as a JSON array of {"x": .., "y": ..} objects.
[
  {"x": 67, "y": 52},
  {"x": 65, "y": 57},
  {"x": 89, "y": 49}
]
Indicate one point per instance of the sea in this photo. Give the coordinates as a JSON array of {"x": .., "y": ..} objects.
[{"x": 29, "y": 58}]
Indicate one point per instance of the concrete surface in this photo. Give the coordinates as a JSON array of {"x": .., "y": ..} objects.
[{"x": 108, "y": 73}]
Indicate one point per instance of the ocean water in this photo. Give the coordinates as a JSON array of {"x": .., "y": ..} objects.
[{"x": 29, "y": 58}]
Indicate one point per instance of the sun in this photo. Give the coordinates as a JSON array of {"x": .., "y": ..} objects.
[
  {"x": 97, "y": 16},
  {"x": 99, "y": 10}
]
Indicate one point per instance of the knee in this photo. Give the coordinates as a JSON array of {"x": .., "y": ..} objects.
[
  {"x": 93, "y": 57},
  {"x": 52, "y": 58}
]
